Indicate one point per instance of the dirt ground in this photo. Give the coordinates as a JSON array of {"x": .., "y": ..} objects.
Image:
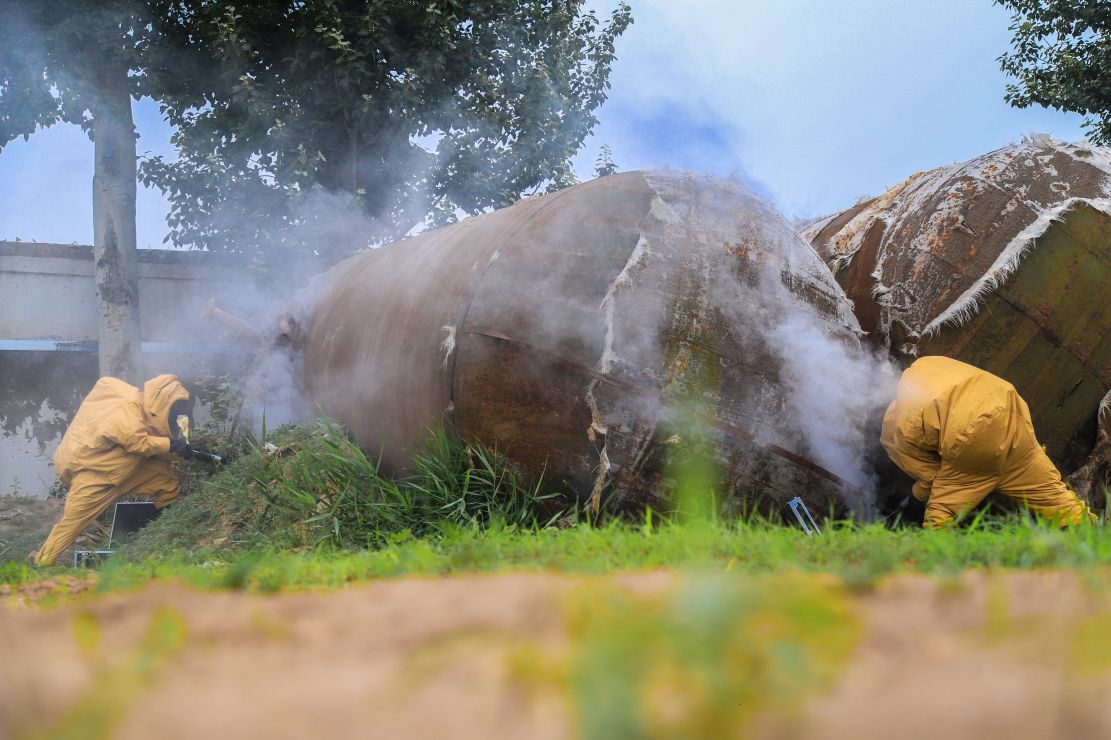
[
  {"x": 1020, "y": 655},
  {"x": 1008, "y": 655},
  {"x": 24, "y": 524}
]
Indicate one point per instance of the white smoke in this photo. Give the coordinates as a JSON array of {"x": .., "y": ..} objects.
[
  {"x": 834, "y": 387},
  {"x": 826, "y": 388}
]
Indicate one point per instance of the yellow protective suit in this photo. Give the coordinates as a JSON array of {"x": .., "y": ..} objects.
[
  {"x": 117, "y": 445},
  {"x": 963, "y": 433}
]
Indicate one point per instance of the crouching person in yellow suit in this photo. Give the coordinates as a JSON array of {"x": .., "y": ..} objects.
[
  {"x": 963, "y": 433},
  {"x": 118, "y": 444}
]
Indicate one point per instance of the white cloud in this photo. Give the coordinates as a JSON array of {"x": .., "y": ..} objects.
[{"x": 818, "y": 102}]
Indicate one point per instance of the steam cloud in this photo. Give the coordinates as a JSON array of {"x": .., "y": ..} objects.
[{"x": 835, "y": 389}]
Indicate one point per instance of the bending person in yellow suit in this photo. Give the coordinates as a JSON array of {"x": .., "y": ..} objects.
[
  {"x": 118, "y": 444},
  {"x": 963, "y": 433}
]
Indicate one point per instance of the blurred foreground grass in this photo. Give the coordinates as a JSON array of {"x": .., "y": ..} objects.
[
  {"x": 704, "y": 658},
  {"x": 654, "y": 656}
]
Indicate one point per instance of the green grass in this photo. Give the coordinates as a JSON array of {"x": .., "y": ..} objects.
[
  {"x": 308, "y": 509},
  {"x": 860, "y": 555},
  {"x": 311, "y": 486}
]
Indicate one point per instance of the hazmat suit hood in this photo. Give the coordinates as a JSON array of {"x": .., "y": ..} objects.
[{"x": 159, "y": 394}]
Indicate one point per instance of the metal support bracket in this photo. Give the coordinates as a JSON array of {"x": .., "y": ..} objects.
[{"x": 812, "y": 528}]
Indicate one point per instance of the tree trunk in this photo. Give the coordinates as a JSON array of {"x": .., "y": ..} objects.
[{"x": 114, "y": 249}]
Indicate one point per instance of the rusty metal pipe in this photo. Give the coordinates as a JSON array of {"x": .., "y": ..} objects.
[{"x": 211, "y": 312}]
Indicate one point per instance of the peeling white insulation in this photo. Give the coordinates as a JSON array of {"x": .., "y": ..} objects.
[
  {"x": 961, "y": 311},
  {"x": 598, "y": 425},
  {"x": 448, "y": 343},
  {"x": 1104, "y": 417},
  {"x": 624, "y": 279},
  {"x": 1039, "y": 177}
]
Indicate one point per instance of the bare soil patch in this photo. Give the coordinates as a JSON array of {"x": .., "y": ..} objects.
[
  {"x": 986, "y": 655},
  {"x": 24, "y": 524},
  {"x": 1017, "y": 655}
]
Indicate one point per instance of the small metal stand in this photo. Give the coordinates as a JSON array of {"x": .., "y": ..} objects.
[
  {"x": 89, "y": 558},
  {"x": 812, "y": 529}
]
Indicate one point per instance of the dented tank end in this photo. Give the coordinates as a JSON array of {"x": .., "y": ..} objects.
[
  {"x": 997, "y": 262},
  {"x": 581, "y": 333}
]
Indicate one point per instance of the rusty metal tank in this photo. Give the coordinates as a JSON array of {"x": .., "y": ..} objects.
[
  {"x": 1003, "y": 262},
  {"x": 584, "y": 333}
]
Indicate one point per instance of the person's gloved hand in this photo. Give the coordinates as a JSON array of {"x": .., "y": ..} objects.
[{"x": 181, "y": 448}]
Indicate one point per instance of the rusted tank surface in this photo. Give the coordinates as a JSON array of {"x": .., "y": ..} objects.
[
  {"x": 1003, "y": 262},
  {"x": 588, "y": 334}
]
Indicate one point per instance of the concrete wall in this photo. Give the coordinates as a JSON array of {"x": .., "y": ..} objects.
[{"x": 48, "y": 337}]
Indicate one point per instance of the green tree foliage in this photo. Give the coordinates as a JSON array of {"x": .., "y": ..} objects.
[
  {"x": 1061, "y": 58},
  {"x": 53, "y": 57},
  {"x": 416, "y": 111},
  {"x": 604, "y": 164}
]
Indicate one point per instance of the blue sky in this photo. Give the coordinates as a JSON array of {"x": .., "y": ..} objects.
[{"x": 814, "y": 102}]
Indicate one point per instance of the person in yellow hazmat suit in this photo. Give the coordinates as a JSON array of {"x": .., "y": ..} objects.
[
  {"x": 119, "y": 444},
  {"x": 963, "y": 433}
]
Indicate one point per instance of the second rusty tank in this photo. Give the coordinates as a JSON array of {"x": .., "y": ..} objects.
[
  {"x": 1003, "y": 262},
  {"x": 591, "y": 332}
]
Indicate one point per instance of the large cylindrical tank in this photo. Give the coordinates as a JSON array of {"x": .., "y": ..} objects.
[
  {"x": 1003, "y": 262},
  {"x": 585, "y": 334}
]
